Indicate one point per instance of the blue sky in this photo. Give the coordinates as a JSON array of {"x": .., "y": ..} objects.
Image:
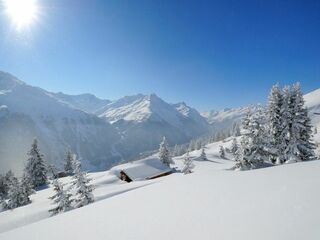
[{"x": 210, "y": 54}]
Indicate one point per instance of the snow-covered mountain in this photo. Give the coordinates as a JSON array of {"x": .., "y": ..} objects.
[
  {"x": 82, "y": 123},
  {"x": 224, "y": 119},
  {"x": 27, "y": 112},
  {"x": 86, "y": 102},
  {"x": 145, "y": 119}
]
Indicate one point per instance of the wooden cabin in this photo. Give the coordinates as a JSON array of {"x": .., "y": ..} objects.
[{"x": 143, "y": 170}]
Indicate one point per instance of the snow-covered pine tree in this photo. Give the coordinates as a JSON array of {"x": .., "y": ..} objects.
[
  {"x": 188, "y": 164},
  {"x": 164, "y": 153},
  {"x": 238, "y": 155},
  {"x": 3, "y": 187},
  {"x": 315, "y": 130},
  {"x": 68, "y": 165},
  {"x": 275, "y": 122},
  {"x": 61, "y": 198},
  {"x": 36, "y": 167},
  {"x": 234, "y": 146},
  {"x": 246, "y": 119},
  {"x": 26, "y": 185},
  {"x": 17, "y": 195},
  {"x": 82, "y": 187},
  {"x": 222, "y": 153},
  {"x": 203, "y": 155},
  {"x": 254, "y": 142},
  {"x": 300, "y": 147}
]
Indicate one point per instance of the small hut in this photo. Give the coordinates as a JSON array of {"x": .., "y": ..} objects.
[{"x": 145, "y": 169}]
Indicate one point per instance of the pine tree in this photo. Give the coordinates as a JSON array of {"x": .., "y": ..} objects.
[
  {"x": 26, "y": 185},
  {"x": 36, "y": 167},
  {"x": 81, "y": 182},
  {"x": 164, "y": 153},
  {"x": 203, "y": 155},
  {"x": 3, "y": 187},
  {"x": 238, "y": 155},
  {"x": 222, "y": 152},
  {"x": 234, "y": 146},
  {"x": 17, "y": 195},
  {"x": 61, "y": 198},
  {"x": 315, "y": 130},
  {"x": 68, "y": 166},
  {"x": 275, "y": 117},
  {"x": 299, "y": 147},
  {"x": 254, "y": 142},
  {"x": 188, "y": 164}
]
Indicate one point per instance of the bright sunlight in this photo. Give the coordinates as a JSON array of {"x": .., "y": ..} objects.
[{"x": 22, "y": 12}]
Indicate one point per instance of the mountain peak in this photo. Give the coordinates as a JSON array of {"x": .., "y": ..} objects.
[{"x": 8, "y": 81}]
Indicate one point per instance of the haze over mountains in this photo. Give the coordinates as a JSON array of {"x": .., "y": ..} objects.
[
  {"x": 101, "y": 132},
  {"x": 82, "y": 123}
]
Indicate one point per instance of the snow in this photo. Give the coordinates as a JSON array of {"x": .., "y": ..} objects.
[{"x": 211, "y": 203}]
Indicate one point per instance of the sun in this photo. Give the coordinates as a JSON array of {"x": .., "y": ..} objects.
[{"x": 22, "y": 12}]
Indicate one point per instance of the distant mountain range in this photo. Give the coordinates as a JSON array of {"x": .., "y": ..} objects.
[{"x": 100, "y": 131}]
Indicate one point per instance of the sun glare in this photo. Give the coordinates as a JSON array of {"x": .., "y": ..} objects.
[{"x": 22, "y": 12}]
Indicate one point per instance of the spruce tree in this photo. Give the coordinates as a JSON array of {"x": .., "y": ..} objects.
[
  {"x": 275, "y": 119},
  {"x": 17, "y": 195},
  {"x": 222, "y": 152},
  {"x": 36, "y": 167},
  {"x": 26, "y": 185},
  {"x": 61, "y": 198},
  {"x": 234, "y": 146},
  {"x": 254, "y": 142},
  {"x": 3, "y": 187},
  {"x": 68, "y": 166},
  {"x": 81, "y": 184},
  {"x": 238, "y": 155},
  {"x": 203, "y": 155},
  {"x": 164, "y": 153},
  {"x": 188, "y": 164},
  {"x": 299, "y": 145}
]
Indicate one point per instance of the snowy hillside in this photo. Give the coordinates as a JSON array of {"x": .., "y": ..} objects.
[
  {"x": 278, "y": 203},
  {"x": 145, "y": 119},
  {"x": 85, "y": 102},
  {"x": 313, "y": 103},
  {"x": 29, "y": 112}
]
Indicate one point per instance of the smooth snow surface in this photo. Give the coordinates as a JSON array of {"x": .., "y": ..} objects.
[{"x": 279, "y": 202}]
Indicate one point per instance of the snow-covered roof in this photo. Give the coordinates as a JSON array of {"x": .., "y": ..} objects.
[{"x": 142, "y": 169}]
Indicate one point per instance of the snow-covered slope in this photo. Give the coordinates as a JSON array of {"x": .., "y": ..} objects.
[
  {"x": 145, "y": 119},
  {"x": 85, "y": 102},
  {"x": 29, "y": 112},
  {"x": 313, "y": 103},
  {"x": 279, "y": 203}
]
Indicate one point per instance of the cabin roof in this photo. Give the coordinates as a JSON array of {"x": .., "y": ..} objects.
[{"x": 143, "y": 169}]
